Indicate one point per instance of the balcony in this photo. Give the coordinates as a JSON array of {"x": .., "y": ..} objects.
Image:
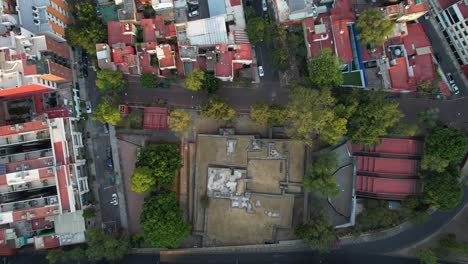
[
  {"x": 24, "y": 138},
  {"x": 30, "y": 204},
  {"x": 28, "y": 186}
]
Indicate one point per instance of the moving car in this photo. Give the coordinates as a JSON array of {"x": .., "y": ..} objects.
[
  {"x": 264, "y": 5},
  {"x": 450, "y": 78},
  {"x": 260, "y": 71}
]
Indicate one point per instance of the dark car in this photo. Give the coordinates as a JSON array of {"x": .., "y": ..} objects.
[
  {"x": 109, "y": 163},
  {"x": 164, "y": 85}
]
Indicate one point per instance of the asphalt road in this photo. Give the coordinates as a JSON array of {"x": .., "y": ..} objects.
[
  {"x": 239, "y": 258},
  {"x": 439, "y": 45},
  {"x": 104, "y": 175}
]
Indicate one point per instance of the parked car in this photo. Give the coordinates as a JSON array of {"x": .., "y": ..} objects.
[
  {"x": 264, "y": 5},
  {"x": 88, "y": 107},
  {"x": 450, "y": 78},
  {"x": 260, "y": 71},
  {"x": 109, "y": 152},
  {"x": 455, "y": 89},
  {"x": 109, "y": 163},
  {"x": 193, "y": 13},
  {"x": 106, "y": 128},
  {"x": 114, "y": 200}
]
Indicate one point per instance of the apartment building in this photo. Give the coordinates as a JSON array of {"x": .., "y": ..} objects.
[
  {"x": 42, "y": 184},
  {"x": 45, "y": 17}
]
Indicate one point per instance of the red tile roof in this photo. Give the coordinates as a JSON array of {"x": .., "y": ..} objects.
[
  {"x": 342, "y": 39},
  {"x": 145, "y": 63},
  {"x": 416, "y": 38},
  {"x": 244, "y": 53},
  {"x": 26, "y": 127},
  {"x": 29, "y": 69},
  {"x": 62, "y": 73},
  {"x": 386, "y": 186},
  {"x": 58, "y": 48},
  {"x": 57, "y": 112},
  {"x": 168, "y": 61},
  {"x": 235, "y": 2},
  {"x": 32, "y": 164},
  {"x": 446, "y": 3},
  {"x": 115, "y": 34},
  {"x": 399, "y": 76},
  {"x": 223, "y": 68},
  {"x": 343, "y": 9},
  {"x": 63, "y": 178},
  {"x": 39, "y": 212},
  {"x": 404, "y": 167},
  {"x": 40, "y": 223},
  {"x": 423, "y": 67},
  {"x": 154, "y": 28},
  {"x": 24, "y": 90},
  {"x": 416, "y": 8},
  {"x": 313, "y": 40},
  {"x": 119, "y": 54},
  {"x": 394, "y": 146},
  {"x": 51, "y": 241}
]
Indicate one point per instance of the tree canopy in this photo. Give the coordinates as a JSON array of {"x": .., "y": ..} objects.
[
  {"x": 142, "y": 180},
  {"x": 179, "y": 120},
  {"x": 325, "y": 70},
  {"x": 372, "y": 27},
  {"x": 89, "y": 31},
  {"x": 319, "y": 234},
  {"x": 106, "y": 112},
  {"x": 264, "y": 114},
  {"x": 375, "y": 117},
  {"x": 104, "y": 246},
  {"x": 163, "y": 160},
  {"x": 199, "y": 80},
  {"x": 375, "y": 216},
  {"x": 319, "y": 178},
  {"x": 110, "y": 82},
  {"x": 66, "y": 256},
  {"x": 443, "y": 189},
  {"x": 148, "y": 80},
  {"x": 217, "y": 108},
  {"x": 194, "y": 80},
  {"x": 162, "y": 221},
  {"x": 256, "y": 29},
  {"x": 426, "y": 256},
  {"x": 443, "y": 147},
  {"x": 311, "y": 111}
]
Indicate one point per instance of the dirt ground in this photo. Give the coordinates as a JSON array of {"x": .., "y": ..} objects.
[
  {"x": 134, "y": 200},
  {"x": 265, "y": 175},
  {"x": 234, "y": 226}
]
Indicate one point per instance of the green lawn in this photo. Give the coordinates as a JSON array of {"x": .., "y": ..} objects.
[{"x": 352, "y": 78}]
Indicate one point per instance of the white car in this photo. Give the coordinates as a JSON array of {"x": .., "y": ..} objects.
[
  {"x": 88, "y": 107},
  {"x": 455, "y": 89},
  {"x": 260, "y": 71},
  {"x": 264, "y": 5},
  {"x": 194, "y": 13},
  {"x": 114, "y": 200},
  {"x": 450, "y": 78}
]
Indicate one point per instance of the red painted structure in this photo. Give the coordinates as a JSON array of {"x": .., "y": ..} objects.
[
  {"x": 155, "y": 118},
  {"x": 388, "y": 170}
]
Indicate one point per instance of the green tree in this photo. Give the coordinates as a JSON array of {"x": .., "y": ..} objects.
[
  {"x": 105, "y": 247},
  {"x": 443, "y": 147},
  {"x": 403, "y": 129},
  {"x": 325, "y": 70},
  {"x": 279, "y": 59},
  {"x": 89, "y": 212},
  {"x": 443, "y": 190},
  {"x": 249, "y": 12},
  {"x": 375, "y": 117},
  {"x": 194, "y": 80},
  {"x": 179, "y": 120},
  {"x": 426, "y": 256},
  {"x": 375, "y": 216},
  {"x": 430, "y": 87},
  {"x": 55, "y": 255},
  {"x": 415, "y": 210},
  {"x": 106, "y": 112},
  {"x": 142, "y": 180},
  {"x": 256, "y": 29},
  {"x": 89, "y": 31},
  {"x": 217, "y": 108},
  {"x": 76, "y": 254},
  {"x": 211, "y": 83},
  {"x": 110, "y": 82},
  {"x": 264, "y": 114},
  {"x": 319, "y": 178},
  {"x": 319, "y": 234},
  {"x": 162, "y": 221},
  {"x": 429, "y": 117},
  {"x": 164, "y": 160},
  {"x": 373, "y": 28},
  {"x": 311, "y": 111},
  {"x": 148, "y": 80}
]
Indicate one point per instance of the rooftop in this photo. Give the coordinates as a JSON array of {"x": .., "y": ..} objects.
[
  {"x": 165, "y": 56},
  {"x": 207, "y": 32},
  {"x": 319, "y": 34},
  {"x": 115, "y": 33}
]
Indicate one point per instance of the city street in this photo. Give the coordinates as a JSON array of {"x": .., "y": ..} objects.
[
  {"x": 440, "y": 48},
  {"x": 105, "y": 179}
]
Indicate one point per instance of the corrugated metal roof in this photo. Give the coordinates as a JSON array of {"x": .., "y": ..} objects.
[
  {"x": 216, "y": 8},
  {"x": 208, "y": 31}
]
